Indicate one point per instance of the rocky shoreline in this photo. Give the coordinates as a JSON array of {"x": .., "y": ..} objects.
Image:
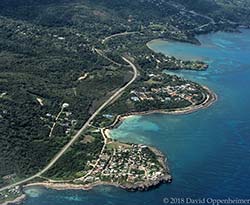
[
  {"x": 167, "y": 178},
  {"x": 128, "y": 187},
  {"x": 140, "y": 186},
  {"x": 16, "y": 201}
]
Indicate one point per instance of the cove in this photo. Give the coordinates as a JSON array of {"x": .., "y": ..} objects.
[{"x": 208, "y": 151}]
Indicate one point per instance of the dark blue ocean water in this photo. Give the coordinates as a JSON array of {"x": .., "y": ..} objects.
[{"x": 208, "y": 151}]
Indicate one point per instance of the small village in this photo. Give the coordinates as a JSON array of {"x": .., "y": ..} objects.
[
  {"x": 168, "y": 93},
  {"x": 172, "y": 63},
  {"x": 127, "y": 164},
  {"x": 10, "y": 194},
  {"x": 177, "y": 64}
]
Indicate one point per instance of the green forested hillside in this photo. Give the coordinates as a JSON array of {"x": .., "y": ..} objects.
[{"x": 47, "y": 47}]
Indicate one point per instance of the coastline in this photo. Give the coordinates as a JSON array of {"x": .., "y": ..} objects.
[
  {"x": 139, "y": 186},
  {"x": 191, "y": 63},
  {"x": 158, "y": 40},
  {"x": 194, "y": 41},
  {"x": 210, "y": 100},
  {"x": 17, "y": 200}
]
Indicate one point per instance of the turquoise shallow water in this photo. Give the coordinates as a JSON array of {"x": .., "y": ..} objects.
[{"x": 208, "y": 151}]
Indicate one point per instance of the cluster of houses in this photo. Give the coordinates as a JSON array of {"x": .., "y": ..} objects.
[
  {"x": 127, "y": 164},
  {"x": 64, "y": 120},
  {"x": 172, "y": 63},
  {"x": 15, "y": 191},
  {"x": 181, "y": 64},
  {"x": 176, "y": 93},
  {"x": 185, "y": 91}
]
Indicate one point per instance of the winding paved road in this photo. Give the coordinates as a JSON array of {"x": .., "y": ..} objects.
[
  {"x": 119, "y": 34},
  {"x": 85, "y": 126}
]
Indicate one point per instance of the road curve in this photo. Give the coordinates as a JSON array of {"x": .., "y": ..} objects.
[
  {"x": 118, "y": 34},
  {"x": 85, "y": 126}
]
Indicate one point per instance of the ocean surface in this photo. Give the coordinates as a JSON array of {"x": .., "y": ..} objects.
[{"x": 208, "y": 151}]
